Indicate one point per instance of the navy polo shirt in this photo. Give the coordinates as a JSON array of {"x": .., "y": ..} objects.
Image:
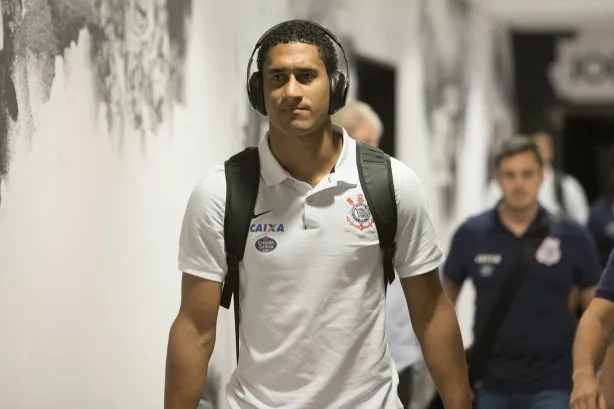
[
  {"x": 605, "y": 289},
  {"x": 601, "y": 226},
  {"x": 533, "y": 350}
]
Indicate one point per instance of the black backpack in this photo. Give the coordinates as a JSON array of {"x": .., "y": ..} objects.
[{"x": 242, "y": 179}]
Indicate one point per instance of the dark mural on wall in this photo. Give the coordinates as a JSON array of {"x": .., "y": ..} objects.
[
  {"x": 138, "y": 50},
  {"x": 443, "y": 35}
]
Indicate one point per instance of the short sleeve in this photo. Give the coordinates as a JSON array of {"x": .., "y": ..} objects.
[
  {"x": 455, "y": 267},
  {"x": 201, "y": 242},
  {"x": 418, "y": 249},
  {"x": 605, "y": 288},
  {"x": 586, "y": 265}
]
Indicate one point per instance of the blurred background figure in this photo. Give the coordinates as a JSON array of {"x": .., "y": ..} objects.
[
  {"x": 601, "y": 217},
  {"x": 530, "y": 360},
  {"x": 361, "y": 122},
  {"x": 561, "y": 194},
  {"x": 415, "y": 385}
]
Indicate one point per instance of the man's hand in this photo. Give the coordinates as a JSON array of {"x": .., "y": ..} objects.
[{"x": 586, "y": 393}]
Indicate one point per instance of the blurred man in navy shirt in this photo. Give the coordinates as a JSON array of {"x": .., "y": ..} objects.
[{"x": 530, "y": 364}]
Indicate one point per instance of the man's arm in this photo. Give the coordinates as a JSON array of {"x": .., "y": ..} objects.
[
  {"x": 593, "y": 337},
  {"x": 436, "y": 326},
  {"x": 433, "y": 318},
  {"x": 587, "y": 271},
  {"x": 191, "y": 342},
  {"x": 451, "y": 289},
  {"x": 586, "y": 296},
  {"x": 607, "y": 376}
]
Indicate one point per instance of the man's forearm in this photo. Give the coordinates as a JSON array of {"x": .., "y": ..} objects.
[
  {"x": 444, "y": 355},
  {"x": 186, "y": 366},
  {"x": 590, "y": 346}
]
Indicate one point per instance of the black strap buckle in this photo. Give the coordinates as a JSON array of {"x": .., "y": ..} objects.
[{"x": 389, "y": 252}]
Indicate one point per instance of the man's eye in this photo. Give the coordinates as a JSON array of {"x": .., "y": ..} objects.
[{"x": 307, "y": 76}]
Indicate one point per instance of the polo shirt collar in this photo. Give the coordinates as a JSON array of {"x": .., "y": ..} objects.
[
  {"x": 345, "y": 169},
  {"x": 541, "y": 220}
]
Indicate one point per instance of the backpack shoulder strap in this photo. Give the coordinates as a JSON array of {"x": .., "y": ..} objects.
[
  {"x": 558, "y": 191},
  {"x": 242, "y": 179},
  {"x": 375, "y": 173}
]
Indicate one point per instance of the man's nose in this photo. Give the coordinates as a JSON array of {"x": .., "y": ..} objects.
[
  {"x": 293, "y": 89},
  {"x": 519, "y": 182}
]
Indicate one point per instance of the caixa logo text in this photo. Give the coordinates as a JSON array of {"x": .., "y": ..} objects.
[{"x": 266, "y": 228}]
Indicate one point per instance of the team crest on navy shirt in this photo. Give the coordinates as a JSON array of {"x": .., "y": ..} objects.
[
  {"x": 549, "y": 253},
  {"x": 359, "y": 215}
]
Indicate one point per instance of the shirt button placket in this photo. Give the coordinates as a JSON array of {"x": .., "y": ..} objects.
[{"x": 309, "y": 219}]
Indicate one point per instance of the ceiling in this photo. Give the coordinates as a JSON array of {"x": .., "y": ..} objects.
[{"x": 549, "y": 14}]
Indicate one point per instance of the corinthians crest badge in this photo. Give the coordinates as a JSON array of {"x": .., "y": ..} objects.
[
  {"x": 359, "y": 216},
  {"x": 549, "y": 253}
]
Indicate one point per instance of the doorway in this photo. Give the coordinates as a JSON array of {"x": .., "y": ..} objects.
[
  {"x": 587, "y": 135},
  {"x": 377, "y": 87}
]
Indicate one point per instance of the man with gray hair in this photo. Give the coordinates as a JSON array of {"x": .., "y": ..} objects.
[{"x": 361, "y": 122}]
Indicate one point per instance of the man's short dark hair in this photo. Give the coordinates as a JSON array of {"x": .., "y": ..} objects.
[
  {"x": 514, "y": 146},
  {"x": 297, "y": 31}
]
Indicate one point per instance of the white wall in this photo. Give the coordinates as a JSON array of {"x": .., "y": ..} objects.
[{"x": 89, "y": 230}]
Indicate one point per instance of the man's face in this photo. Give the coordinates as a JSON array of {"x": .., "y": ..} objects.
[
  {"x": 544, "y": 146},
  {"x": 520, "y": 177},
  {"x": 367, "y": 133},
  {"x": 296, "y": 88}
]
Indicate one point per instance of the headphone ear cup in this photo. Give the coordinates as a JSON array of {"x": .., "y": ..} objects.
[
  {"x": 338, "y": 92},
  {"x": 256, "y": 93}
]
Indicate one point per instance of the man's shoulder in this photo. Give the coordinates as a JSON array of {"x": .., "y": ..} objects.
[
  {"x": 570, "y": 229},
  {"x": 401, "y": 173},
  {"x": 478, "y": 223},
  {"x": 210, "y": 188}
]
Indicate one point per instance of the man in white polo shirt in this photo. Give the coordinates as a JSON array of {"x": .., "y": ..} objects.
[{"x": 312, "y": 300}]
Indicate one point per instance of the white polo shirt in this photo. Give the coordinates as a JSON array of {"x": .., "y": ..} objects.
[{"x": 312, "y": 294}]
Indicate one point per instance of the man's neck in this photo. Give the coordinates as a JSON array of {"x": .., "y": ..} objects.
[
  {"x": 308, "y": 158},
  {"x": 517, "y": 220}
]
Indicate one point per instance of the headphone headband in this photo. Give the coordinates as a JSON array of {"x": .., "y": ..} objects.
[{"x": 330, "y": 34}]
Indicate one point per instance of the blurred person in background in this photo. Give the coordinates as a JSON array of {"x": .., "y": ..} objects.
[
  {"x": 529, "y": 365},
  {"x": 560, "y": 193},
  {"x": 415, "y": 386},
  {"x": 361, "y": 122}
]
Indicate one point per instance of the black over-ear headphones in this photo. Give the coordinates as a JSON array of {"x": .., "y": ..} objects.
[{"x": 339, "y": 84}]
